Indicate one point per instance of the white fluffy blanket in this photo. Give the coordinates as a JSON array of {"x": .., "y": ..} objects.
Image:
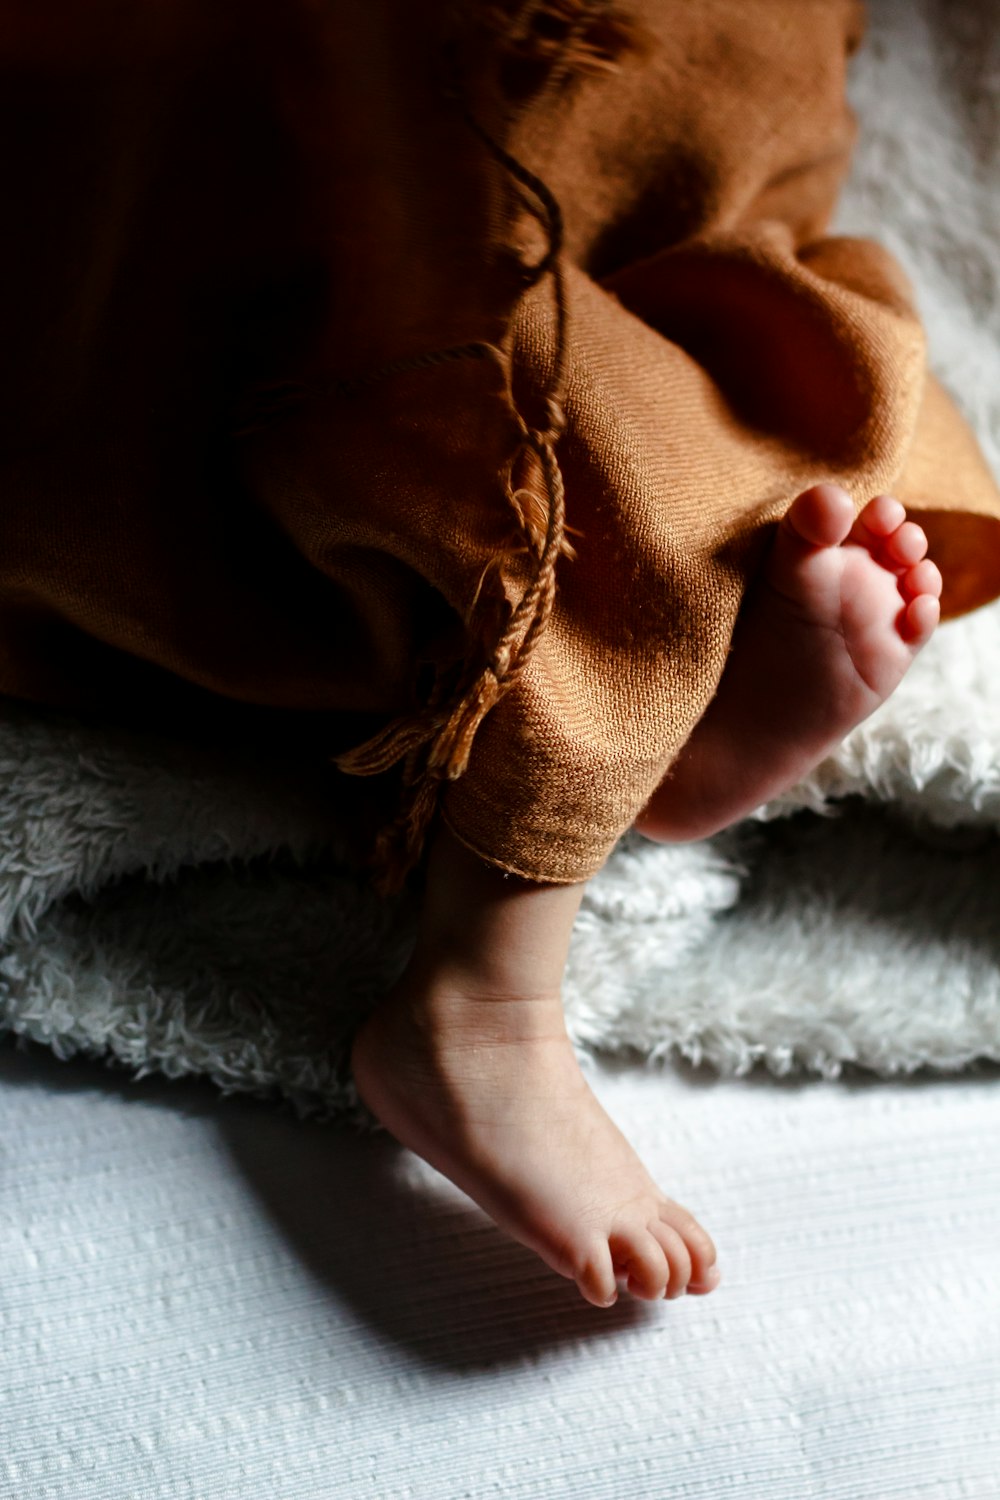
[{"x": 179, "y": 912}]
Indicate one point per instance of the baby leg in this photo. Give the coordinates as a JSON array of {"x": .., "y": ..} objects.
[{"x": 468, "y": 1063}]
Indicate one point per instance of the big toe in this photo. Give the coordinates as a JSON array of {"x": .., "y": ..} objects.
[
  {"x": 595, "y": 1274},
  {"x": 821, "y": 516}
]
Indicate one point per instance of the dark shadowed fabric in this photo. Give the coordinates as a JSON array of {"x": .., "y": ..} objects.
[{"x": 270, "y": 351}]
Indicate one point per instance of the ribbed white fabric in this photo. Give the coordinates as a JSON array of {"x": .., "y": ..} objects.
[{"x": 204, "y": 1300}]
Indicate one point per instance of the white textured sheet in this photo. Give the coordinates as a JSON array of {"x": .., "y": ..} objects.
[{"x": 204, "y": 1300}]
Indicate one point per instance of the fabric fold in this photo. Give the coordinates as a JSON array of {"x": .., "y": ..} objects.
[
  {"x": 297, "y": 201},
  {"x": 706, "y": 388}
]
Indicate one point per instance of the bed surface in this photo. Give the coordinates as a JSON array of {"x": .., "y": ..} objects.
[{"x": 205, "y": 1298}]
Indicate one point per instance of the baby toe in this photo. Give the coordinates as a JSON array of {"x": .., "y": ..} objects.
[
  {"x": 920, "y": 619},
  {"x": 678, "y": 1257},
  {"x": 880, "y": 518},
  {"x": 698, "y": 1241},
  {"x": 925, "y": 578},
  {"x": 906, "y": 545},
  {"x": 640, "y": 1257}
]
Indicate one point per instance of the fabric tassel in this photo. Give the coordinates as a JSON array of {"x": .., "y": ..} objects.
[
  {"x": 436, "y": 744},
  {"x": 450, "y": 751},
  {"x": 384, "y": 749}
]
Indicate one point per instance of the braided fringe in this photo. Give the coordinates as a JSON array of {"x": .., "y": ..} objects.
[{"x": 436, "y": 743}]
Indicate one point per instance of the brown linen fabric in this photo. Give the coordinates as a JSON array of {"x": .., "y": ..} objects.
[{"x": 243, "y": 492}]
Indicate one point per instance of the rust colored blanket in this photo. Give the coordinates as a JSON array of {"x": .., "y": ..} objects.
[{"x": 428, "y": 378}]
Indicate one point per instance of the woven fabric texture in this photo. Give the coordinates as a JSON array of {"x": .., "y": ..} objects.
[{"x": 291, "y": 203}]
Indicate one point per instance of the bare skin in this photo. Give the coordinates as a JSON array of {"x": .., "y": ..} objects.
[
  {"x": 829, "y": 630},
  {"x": 468, "y": 1061}
]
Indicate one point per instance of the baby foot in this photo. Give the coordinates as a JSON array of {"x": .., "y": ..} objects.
[
  {"x": 829, "y": 629},
  {"x": 488, "y": 1090}
]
